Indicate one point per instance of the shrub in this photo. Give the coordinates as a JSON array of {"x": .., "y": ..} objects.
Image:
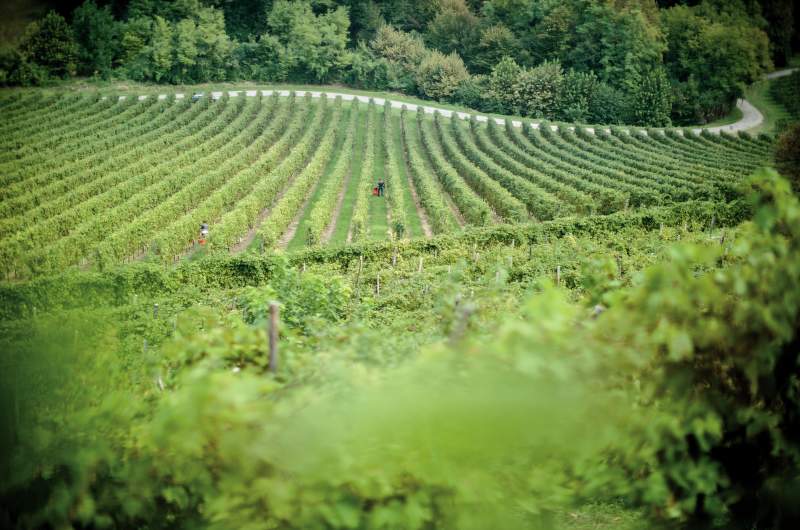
[
  {"x": 439, "y": 76},
  {"x": 536, "y": 90}
]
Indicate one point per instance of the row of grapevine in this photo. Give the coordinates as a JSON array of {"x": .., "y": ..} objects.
[
  {"x": 282, "y": 136},
  {"x": 607, "y": 199},
  {"x": 634, "y": 158},
  {"x": 56, "y": 128},
  {"x": 430, "y": 195},
  {"x": 22, "y": 147},
  {"x": 365, "y": 181},
  {"x": 59, "y": 113},
  {"x": 548, "y": 139},
  {"x": 318, "y": 155},
  {"x": 133, "y": 180},
  {"x": 536, "y": 144},
  {"x": 190, "y": 180},
  {"x": 107, "y": 180},
  {"x": 744, "y": 150},
  {"x": 498, "y": 147},
  {"x": 502, "y": 201},
  {"x": 48, "y": 157},
  {"x": 236, "y": 181},
  {"x": 77, "y": 230},
  {"x": 323, "y": 209},
  {"x": 675, "y": 185},
  {"x": 75, "y": 179},
  {"x": 686, "y": 148},
  {"x": 263, "y": 179},
  {"x": 84, "y": 140},
  {"x": 539, "y": 203},
  {"x": 171, "y": 224},
  {"x": 474, "y": 208},
  {"x": 393, "y": 179},
  {"x": 473, "y": 201}
]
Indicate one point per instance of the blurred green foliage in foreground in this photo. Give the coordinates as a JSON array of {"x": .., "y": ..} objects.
[{"x": 679, "y": 403}]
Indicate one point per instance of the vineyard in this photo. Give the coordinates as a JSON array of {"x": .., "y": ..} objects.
[
  {"x": 91, "y": 182},
  {"x": 537, "y": 325}
]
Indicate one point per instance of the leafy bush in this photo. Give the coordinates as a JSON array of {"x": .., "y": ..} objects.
[
  {"x": 536, "y": 91},
  {"x": 16, "y": 70},
  {"x": 439, "y": 76}
]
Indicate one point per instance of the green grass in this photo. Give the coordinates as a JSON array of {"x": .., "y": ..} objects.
[
  {"x": 414, "y": 227},
  {"x": 378, "y": 222},
  {"x": 733, "y": 116},
  {"x": 301, "y": 235},
  {"x": 602, "y": 516},
  {"x": 339, "y": 236},
  {"x": 758, "y": 94}
]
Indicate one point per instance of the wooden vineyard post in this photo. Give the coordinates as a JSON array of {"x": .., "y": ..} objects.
[
  {"x": 394, "y": 257},
  {"x": 558, "y": 275},
  {"x": 713, "y": 222},
  {"x": 358, "y": 276},
  {"x": 419, "y": 268},
  {"x": 378, "y": 285},
  {"x": 273, "y": 336},
  {"x": 155, "y": 310}
]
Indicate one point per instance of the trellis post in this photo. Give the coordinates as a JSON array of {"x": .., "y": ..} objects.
[{"x": 273, "y": 336}]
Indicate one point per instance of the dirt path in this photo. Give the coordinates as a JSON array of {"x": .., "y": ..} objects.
[
  {"x": 780, "y": 73},
  {"x": 423, "y": 216},
  {"x": 291, "y": 230},
  {"x": 328, "y": 232},
  {"x": 751, "y": 117},
  {"x": 248, "y": 238}
]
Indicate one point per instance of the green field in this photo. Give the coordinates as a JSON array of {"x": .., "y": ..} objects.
[
  {"x": 257, "y": 169},
  {"x": 535, "y": 328}
]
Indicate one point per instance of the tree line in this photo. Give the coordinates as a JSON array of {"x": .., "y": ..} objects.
[{"x": 636, "y": 62}]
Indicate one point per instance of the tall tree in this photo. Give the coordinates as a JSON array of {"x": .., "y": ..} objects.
[
  {"x": 617, "y": 43},
  {"x": 651, "y": 99},
  {"x": 313, "y": 46},
  {"x": 50, "y": 43},
  {"x": 711, "y": 57},
  {"x": 96, "y": 34},
  {"x": 161, "y": 49},
  {"x": 455, "y": 29}
]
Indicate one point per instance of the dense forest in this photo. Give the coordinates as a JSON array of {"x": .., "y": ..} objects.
[{"x": 642, "y": 62}]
